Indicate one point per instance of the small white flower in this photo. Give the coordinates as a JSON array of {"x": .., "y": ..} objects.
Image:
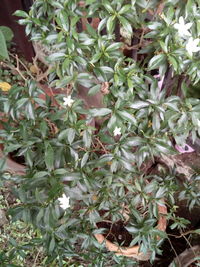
[
  {"x": 64, "y": 202},
  {"x": 117, "y": 131},
  {"x": 192, "y": 46},
  {"x": 68, "y": 101},
  {"x": 183, "y": 28}
]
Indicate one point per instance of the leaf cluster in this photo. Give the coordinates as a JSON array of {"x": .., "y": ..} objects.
[{"x": 65, "y": 151}]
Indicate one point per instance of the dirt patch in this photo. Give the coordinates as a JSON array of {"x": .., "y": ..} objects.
[{"x": 116, "y": 233}]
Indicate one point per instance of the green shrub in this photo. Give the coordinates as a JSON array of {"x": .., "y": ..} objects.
[{"x": 98, "y": 155}]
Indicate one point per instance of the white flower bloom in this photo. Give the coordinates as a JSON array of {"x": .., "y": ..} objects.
[
  {"x": 64, "y": 202},
  {"x": 192, "y": 46},
  {"x": 117, "y": 131},
  {"x": 183, "y": 28},
  {"x": 68, "y": 101}
]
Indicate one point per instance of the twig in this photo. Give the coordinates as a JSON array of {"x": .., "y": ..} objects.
[
  {"x": 174, "y": 251},
  {"x": 183, "y": 234},
  {"x": 187, "y": 242},
  {"x": 35, "y": 261},
  {"x": 141, "y": 38},
  {"x": 82, "y": 149},
  {"x": 104, "y": 149},
  {"x": 18, "y": 61}
]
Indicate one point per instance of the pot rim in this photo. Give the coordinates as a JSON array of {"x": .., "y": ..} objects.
[
  {"x": 13, "y": 167},
  {"x": 134, "y": 250}
]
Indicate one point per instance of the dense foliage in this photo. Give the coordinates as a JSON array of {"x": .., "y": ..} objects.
[{"x": 98, "y": 155}]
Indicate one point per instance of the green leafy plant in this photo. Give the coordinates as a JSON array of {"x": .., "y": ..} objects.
[
  {"x": 6, "y": 35},
  {"x": 90, "y": 150}
]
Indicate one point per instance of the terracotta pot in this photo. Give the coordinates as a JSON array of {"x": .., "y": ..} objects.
[
  {"x": 187, "y": 257},
  {"x": 134, "y": 251},
  {"x": 13, "y": 167}
]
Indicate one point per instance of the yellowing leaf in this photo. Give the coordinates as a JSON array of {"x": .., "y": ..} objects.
[
  {"x": 94, "y": 197},
  {"x": 4, "y": 86},
  {"x": 33, "y": 69}
]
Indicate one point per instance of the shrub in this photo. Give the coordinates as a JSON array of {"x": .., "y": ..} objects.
[{"x": 139, "y": 63}]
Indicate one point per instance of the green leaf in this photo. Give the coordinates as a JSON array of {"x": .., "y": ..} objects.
[
  {"x": 88, "y": 2},
  {"x": 127, "y": 116},
  {"x": 56, "y": 56},
  {"x": 197, "y": 231},
  {"x": 49, "y": 156},
  {"x": 101, "y": 25},
  {"x": 57, "y": 4},
  {"x": 156, "y": 61},
  {"x": 95, "y": 89},
  {"x": 40, "y": 174},
  {"x": 112, "y": 122},
  {"x": 183, "y": 119},
  {"x": 21, "y": 102},
  {"x": 30, "y": 111},
  {"x": 189, "y": 7},
  {"x": 163, "y": 148},
  {"x": 127, "y": 26},
  {"x": 40, "y": 101},
  {"x": 108, "y": 7},
  {"x": 172, "y": 106},
  {"x": 64, "y": 81},
  {"x": 2, "y": 164},
  {"x": 91, "y": 30},
  {"x": 87, "y": 139},
  {"x": 99, "y": 112},
  {"x": 13, "y": 242},
  {"x": 106, "y": 69},
  {"x": 68, "y": 134},
  {"x": 126, "y": 164},
  {"x": 173, "y": 62},
  {"x": 43, "y": 128},
  {"x": 20, "y": 13},
  {"x": 7, "y": 32},
  {"x": 71, "y": 135},
  {"x": 52, "y": 245},
  {"x": 96, "y": 57},
  {"x": 40, "y": 216},
  {"x": 134, "y": 141},
  {"x": 139, "y": 104},
  {"x": 156, "y": 122},
  {"x": 124, "y": 9},
  {"x": 60, "y": 171},
  {"x": 64, "y": 20},
  {"x": 84, "y": 159},
  {"x": 113, "y": 47},
  {"x": 29, "y": 158},
  {"x": 163, "y": 46},
  {"x": 3, "y": 47},
  {"x": 110, "y": 24}
]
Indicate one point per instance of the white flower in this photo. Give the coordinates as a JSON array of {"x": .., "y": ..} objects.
[
  {"x": 192, "y": 46},
  {"x": 64, "y": 202},
  {"x": 117, "y": 131},
  {"x": 68, "y": 101},
  {"x": 183, "y": 28}
]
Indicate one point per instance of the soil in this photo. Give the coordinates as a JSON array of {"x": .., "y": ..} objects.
[
  {"x": 175, "y": 245},
  {"x": 116, "y": 233},
  {"x": 18, "y": 159}
]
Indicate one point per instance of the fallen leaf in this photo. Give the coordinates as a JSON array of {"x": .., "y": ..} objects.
[{"x": 5, "y": 86}]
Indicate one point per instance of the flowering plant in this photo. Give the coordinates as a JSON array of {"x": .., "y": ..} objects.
[{"x": 125, "y": 106}]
